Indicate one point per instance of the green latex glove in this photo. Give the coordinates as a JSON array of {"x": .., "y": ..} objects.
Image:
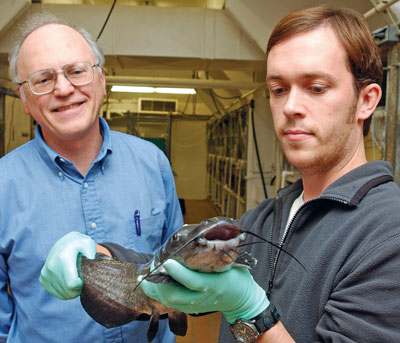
[
  {"x": 234, "y": 292},
  {"x": 59, "y": 275}
]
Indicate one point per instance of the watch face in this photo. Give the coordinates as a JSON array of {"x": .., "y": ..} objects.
[{"x": 244, "y": 332}]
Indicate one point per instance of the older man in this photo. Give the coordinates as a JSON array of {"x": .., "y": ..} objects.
[{"x": 76, "y": 175}]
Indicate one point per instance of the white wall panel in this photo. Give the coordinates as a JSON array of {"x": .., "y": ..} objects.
[
  {"x": 10, "y": 10},
  {"x": 159, "y": 31}
]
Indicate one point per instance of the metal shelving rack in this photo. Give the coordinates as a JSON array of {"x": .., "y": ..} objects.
[{"x": 226, "y": 164}]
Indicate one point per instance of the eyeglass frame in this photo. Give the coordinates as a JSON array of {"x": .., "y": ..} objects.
[{"x": 56, "y": 72}]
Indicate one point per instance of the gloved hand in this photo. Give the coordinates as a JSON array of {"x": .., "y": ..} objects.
[
  {"x": 59, "y": 275},
  {"x": 234, "y": 292}
]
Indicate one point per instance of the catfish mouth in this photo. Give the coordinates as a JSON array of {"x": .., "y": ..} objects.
[{"x": 222, "y": 237}]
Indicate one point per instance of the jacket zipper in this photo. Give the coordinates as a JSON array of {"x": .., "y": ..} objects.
[{"x": 285, "y": 234}]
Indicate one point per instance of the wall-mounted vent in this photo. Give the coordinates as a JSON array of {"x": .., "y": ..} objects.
[{"x": 157, "y": 105}]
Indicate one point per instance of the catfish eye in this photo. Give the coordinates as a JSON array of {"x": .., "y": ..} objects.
[{"x": 175, "y": 237}]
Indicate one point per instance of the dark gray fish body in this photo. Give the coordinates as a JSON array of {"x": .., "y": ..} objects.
[
  {"x": 108, "y": 294},
  {"x": 112, "y": 295}
]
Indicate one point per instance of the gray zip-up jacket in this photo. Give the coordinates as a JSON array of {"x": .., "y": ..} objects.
[{"x": 348, "y": 239}]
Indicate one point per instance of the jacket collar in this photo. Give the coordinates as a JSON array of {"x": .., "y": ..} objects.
[{"x": 351, "y": 187}]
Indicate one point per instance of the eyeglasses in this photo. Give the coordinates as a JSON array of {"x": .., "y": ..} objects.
[{"x": 44, "y": 81}]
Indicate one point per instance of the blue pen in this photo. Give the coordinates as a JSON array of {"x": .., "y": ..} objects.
[{"x": 137, "y": 223}]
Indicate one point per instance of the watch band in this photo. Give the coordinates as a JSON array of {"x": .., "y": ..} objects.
[
  {"x": 266, "y": 319},
  {"x": 247, "y": 331}
]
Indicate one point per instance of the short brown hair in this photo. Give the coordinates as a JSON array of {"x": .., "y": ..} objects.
[{"x": 352, "y": 31}]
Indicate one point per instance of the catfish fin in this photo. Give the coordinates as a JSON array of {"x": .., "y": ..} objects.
[
  {"x": 244, "y": 259},
  {"x": 153, "y": 326},
  {"x": 177, "y": 323},
  {"x": 94, "y": 304}
]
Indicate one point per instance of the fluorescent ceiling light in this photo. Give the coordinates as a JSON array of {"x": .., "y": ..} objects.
[
  {"x": 175, "y": 90},
  {"x": 141, "y": 89},
  {"x": 132, "y": 89}
]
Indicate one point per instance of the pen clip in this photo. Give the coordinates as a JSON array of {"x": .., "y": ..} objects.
[{"x": 137, "y": 223}]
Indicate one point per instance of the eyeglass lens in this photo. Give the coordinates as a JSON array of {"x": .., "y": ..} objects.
[{"x": 44, "y": 81}]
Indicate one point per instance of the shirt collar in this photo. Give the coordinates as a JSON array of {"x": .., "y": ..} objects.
[
  {"x": 53, "y": 157},
  {"x": 106, "y": 147}
]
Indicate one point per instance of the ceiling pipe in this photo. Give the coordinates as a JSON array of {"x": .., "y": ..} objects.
[
  {"x": 379, "y": 8},
  {"x": 192, "y": 83},
  {"x": 244, "y": 95}
]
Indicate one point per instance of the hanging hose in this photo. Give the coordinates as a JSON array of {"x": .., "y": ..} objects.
[
  {"x": 256, "y": 146},
  {"x": 105, "y": 23}
]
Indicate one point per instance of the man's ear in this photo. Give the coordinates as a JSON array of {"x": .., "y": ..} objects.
[
  {"x": 368, "y": 100},
  {"x": 23, "y": 99},
  {"x": 103, "y": 77}
]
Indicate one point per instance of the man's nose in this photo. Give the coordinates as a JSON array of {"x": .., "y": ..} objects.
[
  {"x": 63, "y": 86},
  {"x": 294, "y": 105}
]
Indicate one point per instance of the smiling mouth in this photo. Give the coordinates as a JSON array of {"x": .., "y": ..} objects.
[{"x": 61, "y": 109}]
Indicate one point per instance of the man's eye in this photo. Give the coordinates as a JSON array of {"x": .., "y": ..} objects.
[
  {"x": 318, "y": 89},
  {"x": 277, "y": 91},
  {"x": 76, "y": 71},
  {"x": 41, "y": 80}
]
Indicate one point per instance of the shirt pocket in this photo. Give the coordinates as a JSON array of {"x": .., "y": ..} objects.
[{"x": 150, "y": 236}]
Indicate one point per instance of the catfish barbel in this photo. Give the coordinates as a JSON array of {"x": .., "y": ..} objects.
[{"x": 111, "y": 293}]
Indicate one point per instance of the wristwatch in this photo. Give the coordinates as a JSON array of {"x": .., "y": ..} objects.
[{"x": 247, "y": 331}]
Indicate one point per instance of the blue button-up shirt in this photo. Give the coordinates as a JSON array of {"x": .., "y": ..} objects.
[{"x": 43, "y": 197}]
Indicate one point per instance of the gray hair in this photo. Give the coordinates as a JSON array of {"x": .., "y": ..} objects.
[{"x": 36, "y": 21}]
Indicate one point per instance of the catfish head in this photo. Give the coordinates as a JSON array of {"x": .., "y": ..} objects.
[{"x": 214, "y": 245}]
